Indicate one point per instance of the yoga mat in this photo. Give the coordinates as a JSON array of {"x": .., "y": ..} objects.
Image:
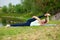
[{"x": 50, "y": 24}]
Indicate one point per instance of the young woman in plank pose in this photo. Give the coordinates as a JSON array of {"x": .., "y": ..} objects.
[{"x": 34, "y": 21}]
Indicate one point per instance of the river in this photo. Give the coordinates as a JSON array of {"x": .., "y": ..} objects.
[{"x": 1, "y": 24}]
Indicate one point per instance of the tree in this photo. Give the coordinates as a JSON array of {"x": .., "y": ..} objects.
[
  {"x": 44, "y": 6},
  {"x": 10, "y": 8},
  {"x": 18, "y": 8},
  {"x": 27, "y": 5},
  {"x": 4, "y": 9}
]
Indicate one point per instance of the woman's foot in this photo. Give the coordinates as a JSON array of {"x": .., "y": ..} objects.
[{"x": 8, "y": 25}]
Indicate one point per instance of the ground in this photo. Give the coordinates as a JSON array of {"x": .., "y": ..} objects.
[{"x": 31, "y": 33}]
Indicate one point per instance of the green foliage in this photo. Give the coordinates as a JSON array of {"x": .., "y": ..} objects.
[
  {"x": 4, "y": 21},
  {"x": 4, "y": 9},
  {"x": 27, "y": 5},
  {"x": 11, "y": 8},
  {"x": 37, "y": 6},
  {"x": 34, "y": 7},
  {"x": 19, "y": 8}
]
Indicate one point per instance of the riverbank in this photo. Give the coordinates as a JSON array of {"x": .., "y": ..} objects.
[{"x": 30, "y": 33}]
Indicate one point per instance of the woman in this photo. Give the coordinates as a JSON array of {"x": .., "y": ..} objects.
[{"x": 35, "y": 21}]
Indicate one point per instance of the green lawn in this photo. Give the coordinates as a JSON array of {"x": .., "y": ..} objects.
[{"x": 31, "y": 33}]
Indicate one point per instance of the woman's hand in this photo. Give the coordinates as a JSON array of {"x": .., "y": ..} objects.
[
  {"x": 34, "y": 17},
  {"x": 47, "y": 14}
]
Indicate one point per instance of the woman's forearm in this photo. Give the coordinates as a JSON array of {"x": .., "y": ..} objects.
[
  {"x": 47, "y": 19},
  {"x": 36, "y": 18}
]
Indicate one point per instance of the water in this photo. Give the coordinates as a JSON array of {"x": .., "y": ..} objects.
[{"x": 1, "y": 24}]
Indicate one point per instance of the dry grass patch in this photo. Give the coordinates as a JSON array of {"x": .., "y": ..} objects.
[{"x": 47, "y": 33}]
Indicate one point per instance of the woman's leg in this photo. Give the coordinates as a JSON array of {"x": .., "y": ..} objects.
[{"x": 21, "y": 24}]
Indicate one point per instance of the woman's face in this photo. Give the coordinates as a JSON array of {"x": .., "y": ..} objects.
[{"x": 43, "y": 20}]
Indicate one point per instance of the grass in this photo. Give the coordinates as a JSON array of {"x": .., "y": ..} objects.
[
  {"x": 54, "y": 22},
  {"x": 31, "y": 33}
]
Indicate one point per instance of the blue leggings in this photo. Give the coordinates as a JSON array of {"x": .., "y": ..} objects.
[
  {"x": 21, "y": 24},
  {"x": 26, "y": 23}
]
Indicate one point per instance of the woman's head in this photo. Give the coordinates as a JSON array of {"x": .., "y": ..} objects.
[{"x": 44, "y": 20}]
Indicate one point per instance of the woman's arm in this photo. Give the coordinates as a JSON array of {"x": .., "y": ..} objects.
[
  {"x": 47, "y": 15},
  {"x": 36, "y": 18}
]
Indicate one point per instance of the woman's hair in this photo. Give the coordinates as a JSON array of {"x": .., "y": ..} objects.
[{"x": 45, "y": 21}]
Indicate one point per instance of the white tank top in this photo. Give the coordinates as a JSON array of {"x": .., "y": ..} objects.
[{"x": 35, "y": 23}]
